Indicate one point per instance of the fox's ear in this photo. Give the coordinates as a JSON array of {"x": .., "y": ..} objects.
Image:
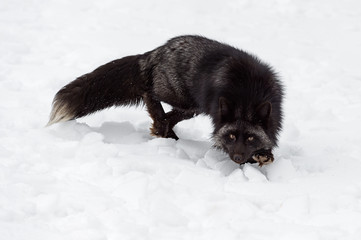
[
  {"x": 224, "y": 108},
  {"x": 264, "y": 111}
]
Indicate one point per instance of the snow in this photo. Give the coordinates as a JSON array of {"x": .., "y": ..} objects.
[{"x": 103, "y": 177}]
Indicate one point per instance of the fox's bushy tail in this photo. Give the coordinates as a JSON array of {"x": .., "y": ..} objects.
[{"x": 119, "y": 82}]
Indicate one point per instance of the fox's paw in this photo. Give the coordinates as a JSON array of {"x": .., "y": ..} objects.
[
  {"x": 171, "y": 134},
  {"x": 161, "y": 130},
  {"x": 263, "y": 158}
]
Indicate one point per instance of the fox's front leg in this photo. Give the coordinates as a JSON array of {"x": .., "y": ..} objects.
[
  {"x": 263, "y": 157},
  {"x": 161, "y": 126},
  {"x": 175, "y": 116}
]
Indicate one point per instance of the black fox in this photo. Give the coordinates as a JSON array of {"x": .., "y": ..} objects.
[{"x": 195, "y": 75}]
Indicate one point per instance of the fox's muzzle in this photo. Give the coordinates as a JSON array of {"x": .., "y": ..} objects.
[{"x": 240, "y": 158}]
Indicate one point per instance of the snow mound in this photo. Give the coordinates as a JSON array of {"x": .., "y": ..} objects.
[{"x": 103, "y": 177}]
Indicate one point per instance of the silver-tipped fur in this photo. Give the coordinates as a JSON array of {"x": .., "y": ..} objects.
[{"x": 60, "y": 112}]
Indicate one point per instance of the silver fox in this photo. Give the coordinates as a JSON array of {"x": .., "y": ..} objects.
[{"x": 195, "y": 75}]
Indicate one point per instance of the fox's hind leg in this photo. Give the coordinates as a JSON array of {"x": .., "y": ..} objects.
[{"x": 161, "y": 126}]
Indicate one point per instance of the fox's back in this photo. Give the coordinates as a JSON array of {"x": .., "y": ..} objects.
[
  {"x": 188, "y": 71},
  {"x": 177, "y": 66}
]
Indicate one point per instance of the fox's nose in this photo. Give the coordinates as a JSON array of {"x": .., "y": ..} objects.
[{"x": 238, "y": 158}]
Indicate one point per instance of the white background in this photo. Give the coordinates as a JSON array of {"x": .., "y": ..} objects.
[{"x": 103, "y": 177}]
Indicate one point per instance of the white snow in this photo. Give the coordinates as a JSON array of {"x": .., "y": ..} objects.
[{"x": 103, "y": 177}]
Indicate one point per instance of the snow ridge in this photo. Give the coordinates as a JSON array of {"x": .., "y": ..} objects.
[{"x": 103, "y": 177}]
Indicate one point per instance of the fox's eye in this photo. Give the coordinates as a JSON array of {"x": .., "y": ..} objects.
[
  {"x": 250, "y": 139},
  {"x": 232, "y": 137}
]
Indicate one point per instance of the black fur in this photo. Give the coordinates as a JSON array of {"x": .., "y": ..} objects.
[{"x": 195, "y": 75}]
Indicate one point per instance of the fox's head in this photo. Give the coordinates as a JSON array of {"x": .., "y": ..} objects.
[{"x": 242, "y": 132}]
